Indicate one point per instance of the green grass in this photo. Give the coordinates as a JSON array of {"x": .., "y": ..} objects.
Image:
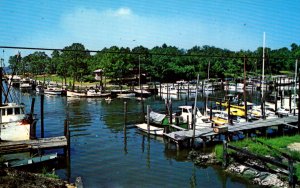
[
  {"x": 279, "y": 144},
  {"x": 47, "y": 174}
]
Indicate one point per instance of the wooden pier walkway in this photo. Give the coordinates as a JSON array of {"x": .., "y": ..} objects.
[
  {"x": 179, "y": 136},
  {"x": 29, "y": 145}
]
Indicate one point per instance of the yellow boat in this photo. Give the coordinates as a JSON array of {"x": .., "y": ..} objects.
[
  {"x": 219, "y": 121},
  {"x": 235, "y": 110}
]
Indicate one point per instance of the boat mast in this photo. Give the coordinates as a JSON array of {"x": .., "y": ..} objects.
[
  {"x": 244, "y": 90},
  {"x": 195, "y": 108},
  {"x": 208, "y": 70},
  {"x": 1, "y": 85},
  {"x": 263, "y": 68},
  {"x": 294, "y": 98},
  {"x": 139, "y": 71},
  {"x": 263, "y": 77}
]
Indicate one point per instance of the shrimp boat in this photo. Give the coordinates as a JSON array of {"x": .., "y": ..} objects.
[{"x": 15, "y": 124}]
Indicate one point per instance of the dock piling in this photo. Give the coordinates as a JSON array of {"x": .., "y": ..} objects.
[
  {"x": 225, "y": 155},
  {"x": 42, "y": 116},
  {"x": 148, "y": 119},
  {"x": 125, "y": 115}
]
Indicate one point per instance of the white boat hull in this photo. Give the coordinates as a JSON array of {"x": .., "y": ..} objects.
[
  {"x": 152, "y": 129},
  {"x": 52, "y": 92},
  {"x": 15, "y": 131}
]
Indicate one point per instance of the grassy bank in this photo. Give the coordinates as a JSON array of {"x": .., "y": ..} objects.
[
  {"x": 272, "y": 147},
  {"x": 55, "y": 78}
]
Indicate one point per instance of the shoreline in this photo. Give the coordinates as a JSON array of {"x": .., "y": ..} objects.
[
  {"x": 11, "y": 178},
  {"x": 254, "y": 172}
]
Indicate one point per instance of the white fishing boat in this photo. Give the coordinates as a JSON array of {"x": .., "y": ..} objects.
[
  {"x": 126, "y": 95},
  {"x": 25, "y": 84},
  {"x": 75, "y": 94},
  {"x": 141, "y": 92},
  {"x": 96, "y": 93},
  {"x": 14, "y": 123},
  {"x": 186, "y": 113},
  {"x": 154, "y": 130},
  {"x": 53, "y": 89}
]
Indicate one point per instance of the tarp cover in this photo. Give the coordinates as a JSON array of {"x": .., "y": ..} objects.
[{"x": 156, "y": 118}]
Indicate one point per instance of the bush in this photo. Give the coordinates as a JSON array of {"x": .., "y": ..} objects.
[{"x": 88, "y": 78}]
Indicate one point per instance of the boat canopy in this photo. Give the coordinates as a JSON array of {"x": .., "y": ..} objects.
[{"x": 156, "y": 118}]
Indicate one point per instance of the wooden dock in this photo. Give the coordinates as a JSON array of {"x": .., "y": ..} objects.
[
  {"x": 180, "y": 136},
  {"x": 30, "y": 145}
]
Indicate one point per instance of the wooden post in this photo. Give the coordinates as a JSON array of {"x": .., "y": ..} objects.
[
  {"x": 65, "y": 127},
  {"x": 177, "y": 120},
  {"x": 42, "y": 116},
  {"x": 143, "y": 110},
  {"x": 178, "y": 90},
  {"x": 193, "y": 125},
  {"x": 186, "y": 99},
  {"x": 210, "y": 115},
  {"x": 246, "y": 110},
  {"x": 290, "y": 101},
  {"x": 262, "y": 107},
  {"x": 125, "y": 127},
  {"x": 170, "y": 108},
  {"x": 204, "y": 108},
  {"x": 160, "y": 89},
  {"x": 188, "y": 122},
  {"x": 225, "y": 154},
  {"x": 167, "y": 91},
  {"x": 32, "y": 107},
  {"x": 69, "y": 143},
  {"x": 291, "y": 173},
  {"x": 188, "y": 90},
  {"x": 148, "y": 119},
  {"x": 276, "y": 96},
  {"x": 229, "y": 115},
  {"x": 67, "y": 135},
  {"x": 67, "y": 150},
  {"x": 281, "y": 97},
  {"x": 125, "y": 116},
  {"x": 33, "y": 130}
]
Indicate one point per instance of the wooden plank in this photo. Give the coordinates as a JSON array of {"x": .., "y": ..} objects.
[
  {"x": 177, "y": 127},
  {"x": 294, "y": 126},
  {"x": 26, "y": 145}
]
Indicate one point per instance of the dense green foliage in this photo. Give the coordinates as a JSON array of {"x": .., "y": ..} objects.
[{"x": 161, "y": 63}]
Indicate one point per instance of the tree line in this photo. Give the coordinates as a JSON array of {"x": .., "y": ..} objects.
[{"x": 161, "y": 63}]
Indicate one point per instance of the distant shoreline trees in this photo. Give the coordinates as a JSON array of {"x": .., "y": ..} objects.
[{"x": 161, "y": 63}]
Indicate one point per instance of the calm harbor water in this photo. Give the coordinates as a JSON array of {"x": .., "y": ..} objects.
[{"x": 105, "y": 157}]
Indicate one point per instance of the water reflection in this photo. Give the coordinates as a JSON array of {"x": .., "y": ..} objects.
[{"x": 104, "y": 154}]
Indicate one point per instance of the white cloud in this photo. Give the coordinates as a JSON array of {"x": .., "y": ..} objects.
[
  {"x": 124, "y": 11},
  {"x": 123, "y": 27}
]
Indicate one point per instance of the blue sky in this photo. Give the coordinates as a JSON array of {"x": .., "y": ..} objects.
[{"x": 233, "y": 25}]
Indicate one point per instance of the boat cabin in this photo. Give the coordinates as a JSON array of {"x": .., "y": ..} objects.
[{"x": 11, "y": 112}]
